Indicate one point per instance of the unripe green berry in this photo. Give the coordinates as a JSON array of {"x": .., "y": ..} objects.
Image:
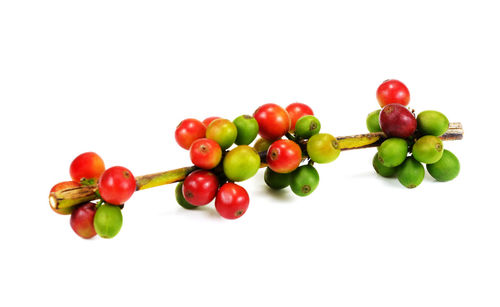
[{"x": 307, "y": 126}]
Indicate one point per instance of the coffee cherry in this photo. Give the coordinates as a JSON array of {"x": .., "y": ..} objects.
[
  {"x": 63, "y": 186},
  {"x": 411, "y": 173},
  {"x": 208, "y": 120},
  {"x": 323, "y": 148},
  {"x": 262, "y": 145},
  {"x": 276, "y": 181},
  {"x": 393, "y": 91},
  {"x": 188, "y": 131},
  {"x": 447, "y": 168},
  {"x": 108, "y": 221},
  {"x": 116, "y": 185},
  {"x": 372, "y": 121},
  {"x": 307, "y": 126},
  {"x": 392, "y": 152},
  {"x": 247, "y": 127},
  {"x": 241, "y": 163},
  {"x": 382, "y": 170},
  {"x": 82, "y": 220},
  {"x": 432, "y": 123},
  {"x": 180, "y": 198},
  {"x": 295, "y": 111},
  {"x": 397, "y": 121},
  {"x": 231, "y": 201},
  {"x": 428, "y": 149},
  {"x": 205, "y": 153},
  {"x": 304, "y": 180},
  {"x": 200, "y": 187},
  {"x": 284, "y": 156},
  {"x": 223, "y": 131},
  {"x": 273, "y": 121},
  {"x": 87, "y": 166}
]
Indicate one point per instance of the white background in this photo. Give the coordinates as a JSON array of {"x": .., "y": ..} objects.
[{"x": 116, "y": 77}]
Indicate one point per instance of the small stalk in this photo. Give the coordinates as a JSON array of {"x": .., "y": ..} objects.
[{"x": 74, "y": 196}]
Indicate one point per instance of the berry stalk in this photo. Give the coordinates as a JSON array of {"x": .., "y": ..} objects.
[{"x": 72, "y": 196}]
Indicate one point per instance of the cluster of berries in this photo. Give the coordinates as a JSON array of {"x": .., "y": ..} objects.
[
  {"x": 411, "y": 140},
  {"x": 219, "y": 166},
  {"x": 116, "y": 185}
]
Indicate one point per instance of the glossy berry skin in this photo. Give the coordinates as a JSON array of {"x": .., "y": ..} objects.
[
  {"x": 323, "y": 148},
  {"x": 200, "y": 187},
  {"x": 295, "y": 111},
  {"x": 372, "y": 121},
  {"x": 241, "y": 163},
  {"x": 273, "y": 121},
  {"x": 393, "y": 91},
  {"x": 205, "y": 153},
  {"x": 447, "y": 168},
  {"x": 284, "y": 156},
  {"x": 307, "y": 126},
  {"x": 180, "y": 198},
  {"x": 262, "y": 145},
  {"x": 208, "y": 120},
  {"x": 63, "y": 186},
  {"x": 87, "y": 166},
  {"x": 188, "y": 131},
  {"x": 397, "y": 121},
  {"x": 117, "y": 184},
  {"x": 247, "y": 127},
  {"x": 304, "y": 180},
  {"x": 232, "y": 201},
  {"x": 223, "y": 131},
  {"x": 108, "y": 221},
  {"x": 276, "y": 181},
  {"x": 82, "y": 220}
]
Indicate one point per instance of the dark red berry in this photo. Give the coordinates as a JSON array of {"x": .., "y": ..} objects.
[{"x": 397, "y": 121}]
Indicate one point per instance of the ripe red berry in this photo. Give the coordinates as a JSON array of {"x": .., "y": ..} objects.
[
  {"x": 117, "y": 184},
  {"x": 296, "y": 110},
  {"x": 397, "y": 121},
  {"x": 284, "y": 156},
  {"x": 200, "y": 187},
  {"x": 82, "y": 220},
  {"x": 393, "y": 91},
  {"x": 208, "y": 120},
  {"x": 205, "y": 153},
  {"x": 273, "y": 121},
  {"x": 87, "y": 166},
  {"x": 232, "y": 201},
  {"x": 188, "y": 131}
]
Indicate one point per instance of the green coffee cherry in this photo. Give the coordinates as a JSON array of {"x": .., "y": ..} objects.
[
  {"x": 222, "y": 131},
  {"x": 241, "y": 163},
  {"x": 307, "y": 126},
  {"x": 392, "y": 152},
  {"x": 262, "y": 144},
  {"x": 304, "y": 180},
  {"x": 382, "y": 170},
  {"x": 323, "y": 148},
  {"x": 428, "y": 149},
  {"x": 447, "y": 168},
  {"x": 372, "y": 121},
  {"x": 108, "y": 221},
  {"x": 432, "y": 123},
  {"x": 247, "y": 127},
  {"x": 276, "y": 181},
  {"x": 411, "y": 173},
  {"x": 180, "y": 198}
]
